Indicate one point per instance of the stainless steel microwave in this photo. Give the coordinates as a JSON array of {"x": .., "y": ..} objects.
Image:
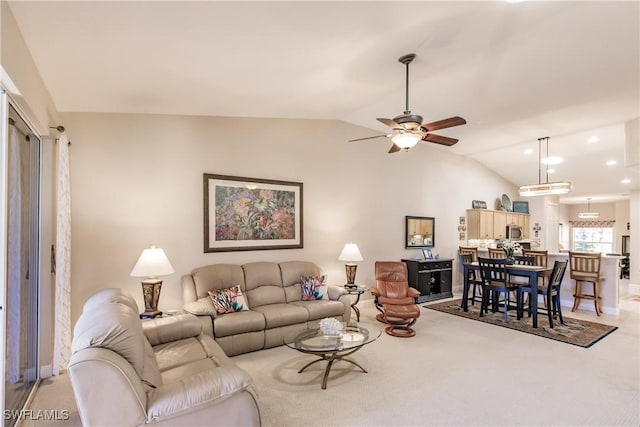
[{"x": 514, "y": 232}]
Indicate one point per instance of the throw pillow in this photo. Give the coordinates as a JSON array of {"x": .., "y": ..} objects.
[
  {"x": 228, "y": 300},
  {"x": 314, "y": 287}
]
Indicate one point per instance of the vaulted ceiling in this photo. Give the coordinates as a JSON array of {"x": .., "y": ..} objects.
[{"x": 516, "y": 71}]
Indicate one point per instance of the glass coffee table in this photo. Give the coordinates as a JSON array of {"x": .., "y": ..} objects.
[{"x": 333, "y": 348}]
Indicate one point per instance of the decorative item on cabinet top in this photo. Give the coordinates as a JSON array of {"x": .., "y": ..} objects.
[{"x": 478, "y": 204}]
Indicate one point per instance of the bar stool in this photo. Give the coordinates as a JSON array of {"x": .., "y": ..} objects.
[
  {"x": 496, "y": 253},
  {"x": 585, "y": 268}
]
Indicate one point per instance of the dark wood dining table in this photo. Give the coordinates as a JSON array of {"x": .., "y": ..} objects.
[{"x": 532, "y": 272}]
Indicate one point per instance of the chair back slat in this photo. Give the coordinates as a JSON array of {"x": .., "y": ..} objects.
[
  {"x": 524, "y": 260},
  {"x": 584, "y": 264},
  {"x": 559, "y": 268},
  {"x": 540, "y": 256},
  {"x": 496, "y": 253}
]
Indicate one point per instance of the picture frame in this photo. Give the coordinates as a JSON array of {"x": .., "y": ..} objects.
[
  {"x": 478, "y": 204},
  {"x": 426, "y": 253},
  {"x": 246, "y": 214},
  {"x": 520, "y": 206}
]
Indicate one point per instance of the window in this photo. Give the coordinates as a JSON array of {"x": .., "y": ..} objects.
[{"x": 593, "y": 239}]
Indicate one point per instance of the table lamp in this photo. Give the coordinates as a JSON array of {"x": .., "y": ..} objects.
[
  {"x": 350, "y": 253},
  {"x": 153, "y": 262}
]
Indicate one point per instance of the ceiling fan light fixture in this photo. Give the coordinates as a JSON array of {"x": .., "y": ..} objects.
[{"x": 406, "y": 140}]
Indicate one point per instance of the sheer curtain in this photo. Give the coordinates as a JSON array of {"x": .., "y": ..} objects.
[
  {"x": 62, "y": 328},
  {"x": 15, "y": 258}
]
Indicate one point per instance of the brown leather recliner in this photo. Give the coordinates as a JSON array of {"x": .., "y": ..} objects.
[{"x": 395, "y": 299}]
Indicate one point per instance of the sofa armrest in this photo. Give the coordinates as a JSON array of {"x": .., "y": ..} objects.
[
  {"x": 335, "y": 292},
  {"x": 167, "y": 329},
  {"x": 205, "y": 388}
]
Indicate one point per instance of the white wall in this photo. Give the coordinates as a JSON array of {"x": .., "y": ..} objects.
[{"x": 137, "y": 180}]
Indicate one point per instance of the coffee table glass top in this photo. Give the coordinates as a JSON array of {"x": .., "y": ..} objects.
[{"x": 353, "y": 336}]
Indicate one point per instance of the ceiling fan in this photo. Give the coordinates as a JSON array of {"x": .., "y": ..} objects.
[{"x": 408, "y": 128}]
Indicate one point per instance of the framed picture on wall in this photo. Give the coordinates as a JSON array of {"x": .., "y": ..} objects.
[{"x": 244, "y": 214}]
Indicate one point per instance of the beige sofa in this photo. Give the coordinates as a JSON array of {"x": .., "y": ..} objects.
[
  {"x": 274, "y": 296},
  {"x": 164, "y": 371}
]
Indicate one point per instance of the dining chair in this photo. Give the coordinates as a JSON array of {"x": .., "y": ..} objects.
[
  {"x": 473, "y": 279},
  {"x": 495, "y": 281},
  {"x": 542, "y": 260},
  {"x": 496, "y": 253},
  {"x": 550, "y": 292},
  {"x": 469, "y": 250},
  {"x": 585, "y": 268}
]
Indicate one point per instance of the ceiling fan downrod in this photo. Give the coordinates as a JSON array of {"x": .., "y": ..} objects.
[{"x": 406, "y": 60}]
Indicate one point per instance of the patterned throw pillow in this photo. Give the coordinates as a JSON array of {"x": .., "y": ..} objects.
[
  {"x": 228, "y": 300},
  {"x": 314, "y": 287}
]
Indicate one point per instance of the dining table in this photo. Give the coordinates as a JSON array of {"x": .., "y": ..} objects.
[{"x": 532, "y": 272}]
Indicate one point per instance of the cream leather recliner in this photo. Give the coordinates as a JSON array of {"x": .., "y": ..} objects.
[{"x": 165, "y": 371}]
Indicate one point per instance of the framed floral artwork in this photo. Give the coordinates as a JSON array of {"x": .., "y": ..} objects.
[{"x": 245, "y": 214}]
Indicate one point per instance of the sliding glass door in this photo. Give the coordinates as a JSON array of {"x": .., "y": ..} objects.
[{"x": 21, "y": 146}]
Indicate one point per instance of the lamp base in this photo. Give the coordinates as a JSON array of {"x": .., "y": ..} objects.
[
  {"x": 151, "y": 294},
  {"x": 351, "y": 275}
]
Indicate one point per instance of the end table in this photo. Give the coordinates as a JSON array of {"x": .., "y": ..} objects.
[{"x": 356, "y": 290}]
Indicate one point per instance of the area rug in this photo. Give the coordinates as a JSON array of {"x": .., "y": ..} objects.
[{"x": 577, "y": 332}]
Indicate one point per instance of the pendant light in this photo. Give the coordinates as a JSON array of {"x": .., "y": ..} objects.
[
  {"x": 589, "y": 214},
  {"x": 544, "y": 188}
]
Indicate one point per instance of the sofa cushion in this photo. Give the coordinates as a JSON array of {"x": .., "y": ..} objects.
[
  {"x": 109, "y": 295},
  {"x": 321, "y": 309},
  {"x": 314, "y": 288},
  {"x": 176, "y": 353},
  {"x": 151, "y": 376},
  {"x": 291, "y": 271},
  {"x": 263, "y": 284},
  {"x": 217, "y": 276},
  {"x": 113, "y": 326},
  {"x": 277, "y": 315},
  {"x": 238, "y": 323},
  {"x": 228, "y": 300}
]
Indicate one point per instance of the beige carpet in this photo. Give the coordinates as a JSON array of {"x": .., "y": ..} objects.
[{"x": 453, "y": 373}]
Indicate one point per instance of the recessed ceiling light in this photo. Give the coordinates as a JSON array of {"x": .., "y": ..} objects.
[
  {"x": 593, "y": 139},
  {"x": 552, "y": 160},
  {"x": 626, "y": 181},
  {"x": 611, "y": 162},
  {"x": 528, "y": 151},
  {"x": 551, "y": 171}
]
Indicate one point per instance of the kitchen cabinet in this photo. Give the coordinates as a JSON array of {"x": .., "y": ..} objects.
[
  {"x": 486, "y": 224},
  {"x": 499, "y": 225},
  {"x": 480, "y": 224}
]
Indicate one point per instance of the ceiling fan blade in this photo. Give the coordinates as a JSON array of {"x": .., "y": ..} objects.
[
  {"x": 392, "y": 124},
  {"x": 394, "y": 149},
  {"x": 438, "y": 139},
  {"x": 368, "y": 137},
  {"x": 443, "y": 124}
]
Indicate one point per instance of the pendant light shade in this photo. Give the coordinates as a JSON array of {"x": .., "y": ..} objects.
[{"x": 544, "y": 188}]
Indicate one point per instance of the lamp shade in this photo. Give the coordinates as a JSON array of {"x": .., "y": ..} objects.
[
  {"x": 153, "y": 262},
  {"x": 350, "y": 253},
  {"x": 406, "y": 139}
]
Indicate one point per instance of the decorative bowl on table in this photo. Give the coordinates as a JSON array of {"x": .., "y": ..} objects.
[{"x": 331, "y": 327}]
